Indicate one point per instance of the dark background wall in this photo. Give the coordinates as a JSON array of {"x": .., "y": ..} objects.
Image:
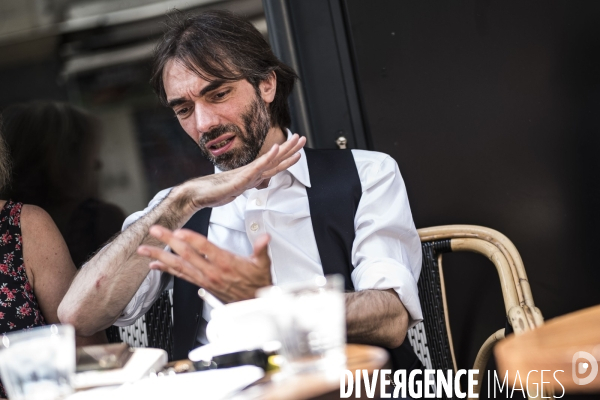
[{"x": 491, "y": 109}]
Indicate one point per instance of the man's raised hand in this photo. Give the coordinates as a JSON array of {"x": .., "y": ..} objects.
[
  {"x": 219, "y": 189},
  {"x": 225, "y": 275}
]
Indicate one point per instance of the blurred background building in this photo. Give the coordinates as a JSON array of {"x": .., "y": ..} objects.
[{"x": 95, "y": 54}]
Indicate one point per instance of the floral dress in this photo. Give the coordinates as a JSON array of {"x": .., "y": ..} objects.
[{"x": 19, "y": 308}]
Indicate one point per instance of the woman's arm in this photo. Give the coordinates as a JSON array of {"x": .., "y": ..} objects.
[{"x": 48, "y": 264}]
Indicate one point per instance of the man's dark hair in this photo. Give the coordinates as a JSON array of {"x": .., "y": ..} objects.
[{"x": 221, "y": 45}]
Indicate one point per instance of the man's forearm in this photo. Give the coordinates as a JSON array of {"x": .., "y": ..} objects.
[
  {"x": 105, "y": 285},
  {"x": 376, "y": 317},
  {"x": 107, "y": 282}
]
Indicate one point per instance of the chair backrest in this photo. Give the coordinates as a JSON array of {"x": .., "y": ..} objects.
[
  {"x": 431, "y": 338},
  {"x": 153, "y": 329}
]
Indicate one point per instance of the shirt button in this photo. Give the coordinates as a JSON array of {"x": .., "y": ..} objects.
[
  {"x": 254, "y": 227},
  {"x": 258, "y": 202}
]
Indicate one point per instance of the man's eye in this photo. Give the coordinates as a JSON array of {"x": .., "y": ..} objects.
[
  {"x": 182, "y": 111},
  {"x": 220, "y": 95}
]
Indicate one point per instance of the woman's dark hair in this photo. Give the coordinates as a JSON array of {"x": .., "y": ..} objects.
[
  {"x": 51, "y": 146},
  {"x": 4, "y": 161},
  {"x": 221, "y": 45}
]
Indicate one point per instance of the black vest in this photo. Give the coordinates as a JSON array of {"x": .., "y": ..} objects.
[{"x": 333, "y": 200}]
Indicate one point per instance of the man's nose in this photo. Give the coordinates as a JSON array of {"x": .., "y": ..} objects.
[{"x": 205, "y": 120}]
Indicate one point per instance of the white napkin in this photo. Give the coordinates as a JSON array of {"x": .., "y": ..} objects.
[{"x": 216, "y": 384}]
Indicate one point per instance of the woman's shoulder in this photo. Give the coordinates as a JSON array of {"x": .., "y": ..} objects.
[
  {"x": 37, "y": 226},
  {"x": 43, "y": 246},
  {"x": 35, "y": 216}
]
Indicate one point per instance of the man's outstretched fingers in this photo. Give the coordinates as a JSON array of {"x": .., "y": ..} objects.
[
  {"x": 165, "y": 257},
  {"x": 288, "y": 147},
  {"x": 186, "y": 271},
  {"x": 289, "y": 158},
  {"x": 182, "y": 248},
  {"x": 285, "y": 151},
  {"x": 295, "y": 143},
  {"x": 268, "y": 158},
  {"x": 282, "y": 166},
  {"x": 253, "y": 171},
  {"x": 171, "y": 263},
  {"x": 161, "y": 266},
  {"x": 160, "y": 232},
  {"x": 157, "y": 265},
  {"x": 198, "y": 242}
]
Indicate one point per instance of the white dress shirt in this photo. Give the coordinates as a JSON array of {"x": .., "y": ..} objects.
[{"x": 386, "y": 253}]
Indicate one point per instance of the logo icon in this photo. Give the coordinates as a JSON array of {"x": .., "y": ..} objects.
[{"x": 580, "y": 368}]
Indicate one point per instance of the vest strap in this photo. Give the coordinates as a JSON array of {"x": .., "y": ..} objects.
[
  {"x": 187, "y": 305},
  {"x": 333, "y": 200}
]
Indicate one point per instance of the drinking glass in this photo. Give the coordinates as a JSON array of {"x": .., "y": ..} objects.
[
  {"x": 311, "y": 321},
  {"x": 38, "y": 363}
]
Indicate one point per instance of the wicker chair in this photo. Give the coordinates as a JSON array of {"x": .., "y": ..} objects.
[
  {"x": 432, "y": 338},
  {"x": 153, "y": 329}
]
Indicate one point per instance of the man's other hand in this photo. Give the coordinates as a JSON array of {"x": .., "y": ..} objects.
[
  {"x": 227, "y": 276},
  {"x": 219, "y": 189}
]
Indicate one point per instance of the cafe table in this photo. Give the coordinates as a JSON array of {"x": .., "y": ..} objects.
[
  {"x": 195, "y": 385},
  {"x": 567, "y": 346}
]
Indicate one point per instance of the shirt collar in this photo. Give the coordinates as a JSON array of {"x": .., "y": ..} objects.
[{"x": 298, "y": 170}]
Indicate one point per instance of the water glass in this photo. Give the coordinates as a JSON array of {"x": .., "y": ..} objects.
[
  {"x": 38, "y": 363},
  {"x": 312, "y": 324}
]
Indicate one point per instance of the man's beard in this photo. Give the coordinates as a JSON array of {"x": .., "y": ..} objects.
[{"x": 256, "y": 124}]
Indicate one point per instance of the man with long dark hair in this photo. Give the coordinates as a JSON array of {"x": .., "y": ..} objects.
[{"x": 229, "y": 92}]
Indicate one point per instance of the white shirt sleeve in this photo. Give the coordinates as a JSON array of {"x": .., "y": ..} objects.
[
  {"x": 154, "y": 284},
  {"x": 387, "y": 249}
]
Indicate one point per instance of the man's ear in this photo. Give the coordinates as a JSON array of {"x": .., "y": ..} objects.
[{"x": 268, "y": 87}]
